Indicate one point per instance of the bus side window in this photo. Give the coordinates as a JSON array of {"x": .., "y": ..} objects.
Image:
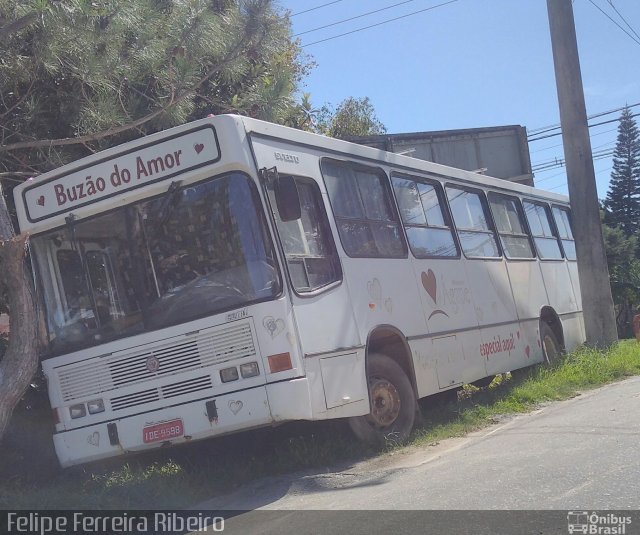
[
  {"x": 539, "y": 219},
  {"x": 307, "y": 242},
  {"x": 427, "y": 226},
  {"x": 365, "y": 215},
  {"x": 562, "y": 217},
  {"x": 507, "y": 214},
  {"x": 472, "y": 220}
]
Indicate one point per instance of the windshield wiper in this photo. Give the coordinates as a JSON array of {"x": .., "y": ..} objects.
[{"x": 168, "y": 203}]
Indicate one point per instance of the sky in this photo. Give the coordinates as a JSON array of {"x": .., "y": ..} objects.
[{"x": 473, "y": 63}]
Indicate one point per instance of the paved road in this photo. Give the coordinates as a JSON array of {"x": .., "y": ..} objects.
[{"x": 580, "y": 454}]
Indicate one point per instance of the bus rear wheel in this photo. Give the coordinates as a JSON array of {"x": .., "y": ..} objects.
[
  {"x": 551, "y": 347},
  {"x": 393, "y": 404}
]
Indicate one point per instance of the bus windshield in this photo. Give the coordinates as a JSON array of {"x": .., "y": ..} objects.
[{"x": 189, "y": 253}]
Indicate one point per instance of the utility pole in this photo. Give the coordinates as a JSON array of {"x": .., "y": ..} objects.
[{"x": 597, "y": 303}]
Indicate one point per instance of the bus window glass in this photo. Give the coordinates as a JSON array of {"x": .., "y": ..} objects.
[
  {"x": 191, "y": 252},
  {"x": 376, "y": 203},
  {"x": 472, "y": 221},
  {"x": 507, "y": 214},
  {"x": 307, "y": 242},
  {"x": 423, "y": 219},
  {"x": 345, "y": 198},
  {"x": 431, "y": 205},
  {"x": 563, "y": 223},
  {"x": 538, "y": 217},
  {"x": 367, "y": 223}
]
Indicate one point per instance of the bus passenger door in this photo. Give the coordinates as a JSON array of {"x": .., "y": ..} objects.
[
  {"x": 441, "y": 280},
  {"x": 525, "y": 279},
  {"x": 555, "y": 270},
  {"x": 487, "y": 274}
]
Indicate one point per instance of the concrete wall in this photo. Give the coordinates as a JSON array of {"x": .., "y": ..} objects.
[{"x": 500, "y": 151}]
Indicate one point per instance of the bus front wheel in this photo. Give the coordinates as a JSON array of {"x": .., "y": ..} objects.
[{"x": 393, "y": 404}]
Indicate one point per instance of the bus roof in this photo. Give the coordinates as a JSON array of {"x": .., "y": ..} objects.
[
  {"x": 337, "y": 146},
  {"x": 30, "y": 200}
]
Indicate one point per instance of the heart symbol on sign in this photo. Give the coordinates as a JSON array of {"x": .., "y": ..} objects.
[
  {"x": 235, "y": 406},
  {"x": 527, "y": 350},
  {"x": 430, "y": 284},
  {"x": 40, "y": 200},
  {"x": 199, "y": 147}
]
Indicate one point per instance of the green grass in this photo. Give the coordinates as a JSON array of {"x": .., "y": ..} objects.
[
  {"x": 581, "y": 370},
  {"x": 183, "y": 476}
]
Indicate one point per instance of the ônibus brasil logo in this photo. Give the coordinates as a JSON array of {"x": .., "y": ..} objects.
[{"x": 597, "y": 523}]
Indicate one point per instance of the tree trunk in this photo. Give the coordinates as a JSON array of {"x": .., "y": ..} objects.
[{"x": 20, "y": 362}]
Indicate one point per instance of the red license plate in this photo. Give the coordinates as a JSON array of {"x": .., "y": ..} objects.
[{"x": 163, "y": 431}]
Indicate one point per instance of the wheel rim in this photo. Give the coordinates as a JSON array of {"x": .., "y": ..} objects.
[
  {"x": 550, "y": 348},
  {"x": 385, "y": 403}
]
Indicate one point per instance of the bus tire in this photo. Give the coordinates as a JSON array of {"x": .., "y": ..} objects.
[
  {"x": 551, "y": 347},
  {"x": 393, "y": 404}
]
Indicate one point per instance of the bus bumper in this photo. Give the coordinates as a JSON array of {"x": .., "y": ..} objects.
[{"x": 200, "y": 419}]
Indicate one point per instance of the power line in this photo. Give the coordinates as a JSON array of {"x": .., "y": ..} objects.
[
  {"x": 549, "y": 177},
  {"x": 590, "y": 126},
  {"x": 554, "y": 164},
  {"x": 352, "y": 18},
  {"x": 544, "y": 129},
  {"x": 556, "y": 187},
  {"x": 637, "y": 41},
  {"x": 317, "y": 7},
  {"x": 604, "y": 170},
  {"x": 623, "y": 19},
  {"x": 564, "y": 183},
  {"x": 560, "y": 144},
  {"x": 609, "y": 144},
  {"x": 380, "y": 23}
]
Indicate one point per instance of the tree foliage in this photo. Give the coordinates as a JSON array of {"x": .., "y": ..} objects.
[
  {"x": 623, "y": 198},
  {"x": 622, "y": 223},
  {"x": 624, "y": 274},
  {"x": 353, "y": 117},
  {"x": 77, "y": 76}
]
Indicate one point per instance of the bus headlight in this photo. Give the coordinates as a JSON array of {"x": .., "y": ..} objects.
[
  {"x": 229, "y": 374},
  {"x": 95, "y": 406},
  {"x": 78, "y": 411},
  {"x": 249, "y": 370}
]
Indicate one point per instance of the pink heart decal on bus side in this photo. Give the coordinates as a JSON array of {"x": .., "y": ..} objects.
[{"x": 430, "y": 284}]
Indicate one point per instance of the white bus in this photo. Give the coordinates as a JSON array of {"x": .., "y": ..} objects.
[{"x": 230, "y": 273}]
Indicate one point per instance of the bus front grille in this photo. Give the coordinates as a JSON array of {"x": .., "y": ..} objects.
[
  {"x": 167, "y": 391},
  {"x": 208, "y": 347}
]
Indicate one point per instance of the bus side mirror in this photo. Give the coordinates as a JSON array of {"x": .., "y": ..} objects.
[{"x": 287, "y": 198}]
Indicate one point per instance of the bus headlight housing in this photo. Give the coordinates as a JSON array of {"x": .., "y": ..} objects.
[
  {"x": 78, "y": 411},
  {"x": 95, "y": 406},
  {"x": 249, "y": 369},
  {"x": 229, "y": 374}
]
